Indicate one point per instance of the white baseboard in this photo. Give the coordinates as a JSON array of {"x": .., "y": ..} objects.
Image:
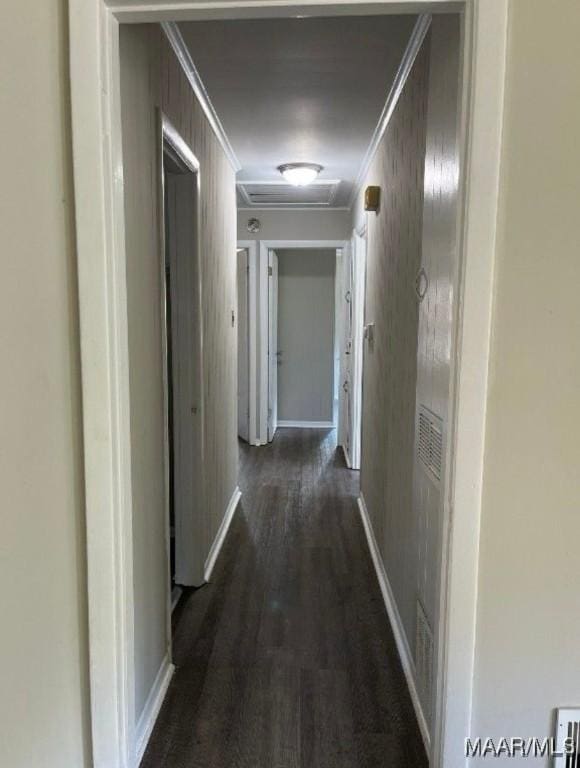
[
  {"x": 152, "y": 707},
  {"x": 396, "y": 624},
  {"x": 221, "y": 534},
  {"x": 346, "y": 456},
  {"x": 307, "y": 424}
]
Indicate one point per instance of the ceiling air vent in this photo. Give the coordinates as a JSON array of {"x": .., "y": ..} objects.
[
  {"x": 262, "y": 194},
  {"x": 430, "y": 441}
]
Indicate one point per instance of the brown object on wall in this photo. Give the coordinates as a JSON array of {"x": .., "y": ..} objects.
[{"x": 372, "y": 198}]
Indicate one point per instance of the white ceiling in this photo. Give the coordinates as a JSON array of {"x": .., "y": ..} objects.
[{"x": 289, "y": 90}]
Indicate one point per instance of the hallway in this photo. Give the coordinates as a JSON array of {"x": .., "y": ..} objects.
[{"x": 287, "y": 659}]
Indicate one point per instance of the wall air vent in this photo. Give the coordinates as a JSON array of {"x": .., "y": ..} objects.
[
  {"x": 264, "y": 194},
  {"x": 424, "y": 661},
  {"x": 430, "y": 441},
  {"x": 567, "y": 739}
]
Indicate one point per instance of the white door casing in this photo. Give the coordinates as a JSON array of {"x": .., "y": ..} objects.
[
  {"x": 272, "y": 344},
  {"x": 254, "y": 330},
  {"x": 345, "y": 298},
  {"x": 181, "y": 221},
  {"x": 243, "y": 345},
  {"x": 99, "y": 214},
  {"x": 358, "y": 281},
  {"x": 350, "y": 294}
]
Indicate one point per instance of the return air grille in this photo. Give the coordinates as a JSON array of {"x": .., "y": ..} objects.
[
  {"x": 430, "y": 441},
  {"x": 264, "y": 194}
]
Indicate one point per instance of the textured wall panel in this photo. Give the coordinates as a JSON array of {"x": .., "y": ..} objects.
[
  {"x": 151, "y": 77},
  {"x": 390, "y": 363}
]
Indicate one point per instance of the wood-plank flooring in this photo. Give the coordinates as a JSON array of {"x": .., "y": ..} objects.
[{"x": 287, "y": 659}]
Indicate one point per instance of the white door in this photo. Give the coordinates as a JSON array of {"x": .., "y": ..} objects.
[
  {"x": 345, "y": 298},
  {"x": 243, "y": 348},
  {"x": 358, "y": 277},
  {"x": 272, "y": 344}
]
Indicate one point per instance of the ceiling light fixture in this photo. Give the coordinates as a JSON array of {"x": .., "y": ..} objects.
[{"x": 300, "y": 174}]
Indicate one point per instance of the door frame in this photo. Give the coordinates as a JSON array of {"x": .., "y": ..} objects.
[
  {"x": 250, "y": 246},
  {"x": 100, "y": 241},
  {"x": 265, "y": 247},
  {"x": 359, "y": 302},
  {"x": 191, "y": 557},
  {"x": 272, "y": 398}
]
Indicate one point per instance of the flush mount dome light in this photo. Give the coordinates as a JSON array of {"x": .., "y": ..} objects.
[{"x": 300, "y": 174}]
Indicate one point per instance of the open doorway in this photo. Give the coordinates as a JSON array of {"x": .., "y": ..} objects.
[
  {"x": 111, "y": 305},
  {"x": 181, "y": 340},
  {"x": 301, "y": 300}
]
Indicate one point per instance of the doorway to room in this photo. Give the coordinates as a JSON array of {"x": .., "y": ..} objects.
[
  {"x": 302, "y": 325},
  {"x": 90, "y": 100},
  {"x": 181, "y": 344}
]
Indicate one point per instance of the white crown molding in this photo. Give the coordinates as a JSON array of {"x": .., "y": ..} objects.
[
  {"x": 181, "y": 50},
  {"x": 413, "y": 47}
]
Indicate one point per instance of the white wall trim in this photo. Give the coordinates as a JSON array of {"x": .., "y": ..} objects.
[
  {"x": 181, "y": 50},
  {"x": 480, "y": 141},
  {"x": 307, "y": 424},
  {"x": 346, "y": 456},
  {"x": 413, "y": 47},
  {"x": 405, "y": 654},
  {"x": 222, "y": 532},
  {"x": 253, "y": 319},
  {"x": 152, "y": 707}
]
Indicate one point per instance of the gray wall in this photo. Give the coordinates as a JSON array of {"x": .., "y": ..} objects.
[
  {"x": 306, "y": 334},
  {"x": 390, "y": 363},
  {"x": 528, "y": 623},
  {"x": 296, "y": 225},
  {"x": 44, "y": 706},
  {"x": 152, "y": 77}
]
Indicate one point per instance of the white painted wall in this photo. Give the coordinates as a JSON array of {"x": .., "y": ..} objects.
[
  {"x": 306, "y": 334},
  {"x": 295, "y": 225},
  {"x": 528, "y": 621},
  {"x": 44, "y": 706}
]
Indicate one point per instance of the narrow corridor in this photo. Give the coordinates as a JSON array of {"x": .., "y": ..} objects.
[{"x": 287, "y": 660}]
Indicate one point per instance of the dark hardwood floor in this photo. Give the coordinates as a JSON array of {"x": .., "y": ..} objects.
[{"x": 287, "y": 659}]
